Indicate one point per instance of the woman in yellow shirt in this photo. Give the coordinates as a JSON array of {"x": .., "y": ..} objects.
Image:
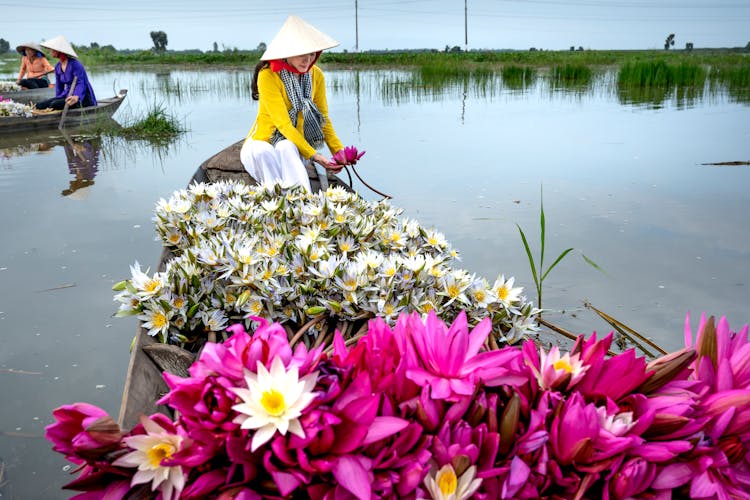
[
  {"x": 34, "y": 67},
  {"x": 292, "y": 121}
]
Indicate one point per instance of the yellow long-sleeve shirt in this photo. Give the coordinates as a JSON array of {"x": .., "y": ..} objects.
[{"x": 273, "y": 113}]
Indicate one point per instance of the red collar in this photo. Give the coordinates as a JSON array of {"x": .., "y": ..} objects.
[{"x": 279, "y": 64}]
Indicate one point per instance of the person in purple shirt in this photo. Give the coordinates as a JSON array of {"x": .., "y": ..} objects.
[{"x": 66, "y": 69}]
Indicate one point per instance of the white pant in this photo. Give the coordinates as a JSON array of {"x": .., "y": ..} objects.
[{"x": 281, "y": 163}]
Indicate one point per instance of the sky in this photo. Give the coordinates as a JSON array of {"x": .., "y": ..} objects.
[{"x": 386, "y": 24}]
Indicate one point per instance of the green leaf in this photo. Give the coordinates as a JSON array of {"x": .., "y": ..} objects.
[
  {"x": 559, "y": 258},
  {"x": 125, "y": 314},
  {"x": 593, "y": 264},
  {"x": 244, "y": 296},
  {"x": 336, "y": 306},
  {"x": 528, "y": 254},
  {"x": 120, "y": 286},
  {"x": 194, "y": 309},
  {"x": 315, "y": 310}
]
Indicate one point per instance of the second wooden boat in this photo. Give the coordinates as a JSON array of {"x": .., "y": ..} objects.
[
  {"x": 76, "y": 116},
  {"x": 29, "y": 96}
]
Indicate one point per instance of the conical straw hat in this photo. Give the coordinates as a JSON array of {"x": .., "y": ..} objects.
[
  {"x": 60, "y": 44},
  {"x": 31, "y": 45},
  {"x": 295, "y": 38}
]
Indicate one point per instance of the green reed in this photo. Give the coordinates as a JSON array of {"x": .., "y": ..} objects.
[
  {"x": 518, "y": 77},
  {"x": 570, "y": 76},
  {"x": 734, "y": 78},
  {"x": 660, "y": 73},
  {"x": 657, "y": 80}
]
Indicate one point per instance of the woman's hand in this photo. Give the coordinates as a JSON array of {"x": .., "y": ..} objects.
[
  {"x": 322, "y": 160},
  {"x": 72, "y": 100}
]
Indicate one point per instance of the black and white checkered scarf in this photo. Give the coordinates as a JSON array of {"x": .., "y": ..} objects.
[{"x": 299, "y": 91}]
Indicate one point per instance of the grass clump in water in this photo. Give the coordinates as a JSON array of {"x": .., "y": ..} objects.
[{"x": 157, "y": 124}]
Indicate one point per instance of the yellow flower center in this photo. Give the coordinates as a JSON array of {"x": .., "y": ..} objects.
[
  {"x": 158, "y": 453},
  {"x": 503, "y": 293},
  {"x": 447, "y": 481},
  {"x": 179, "y": 302},
  {"x": 562, "y": 364},
  {"x": 152, "y": 285},
  {"x": 453, "y": 291},
  {"x": 345, "y": 247},
  {"x": 273, "y": 402},
  {"x": 479, "y": 295},
  {"x": 160, "y": 320},
  {"x": 426, "y": 307}
]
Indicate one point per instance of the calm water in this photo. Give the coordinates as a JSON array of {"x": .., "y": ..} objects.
[{"x": 622, "y": 183}]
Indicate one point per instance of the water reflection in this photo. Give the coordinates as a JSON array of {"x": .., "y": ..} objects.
[
  {"x": 83, "y": 164},
  {"x": 187, "y": 86},
  {"x": 88, "y": 152},
  {"x": 394, "y": 87}
]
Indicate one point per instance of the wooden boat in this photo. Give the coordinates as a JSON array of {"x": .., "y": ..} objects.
[
  {"x": 51, "y": 119},
  {"x": 144, "y": 384},
  {"x": 30, "y": 95}
]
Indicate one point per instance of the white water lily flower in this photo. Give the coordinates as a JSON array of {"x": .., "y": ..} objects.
[
  {"x": 273, "y": 401},
  {"x": 156, "y": 320},
  {"x": 481, "y": 294},
  {"x": 215, "y": 320},
  {"x": 145, "y": 285},
  {"x": 444, "y": 485},
  {"x": 150, "y": 450},
  {"x": 505, "y": 291},
  {"x": 181, "y": 205},
  {"x": 436, "y": 239}
]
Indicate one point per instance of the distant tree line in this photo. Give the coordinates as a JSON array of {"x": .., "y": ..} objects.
[{"x": 4, "y": 46}]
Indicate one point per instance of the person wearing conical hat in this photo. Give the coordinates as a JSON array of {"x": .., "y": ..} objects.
[
  {"x": 67, "y": 68},
  {"x": 34, "y": 67},
  {"x": 292, "y": 123}
]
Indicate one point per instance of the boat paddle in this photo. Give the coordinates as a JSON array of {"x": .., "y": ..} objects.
[{"x": 65, "y": 108}]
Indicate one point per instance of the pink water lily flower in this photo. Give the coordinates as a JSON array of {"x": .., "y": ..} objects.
[
  {"x": 553, "y": 371},
  {"x": 347, "y": 156},
  {"x": 83, "y": 431},
  {"x": 448, "y": 359}
]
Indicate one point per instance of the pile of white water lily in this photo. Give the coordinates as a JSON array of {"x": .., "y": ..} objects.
[
  {"x": 8, "y": 86},
  {"x": 9, "y": 107},
  {"x": 289, "y": 256}
]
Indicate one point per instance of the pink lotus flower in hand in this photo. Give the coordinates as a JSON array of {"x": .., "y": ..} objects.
[{"x": 347, "y": 156}]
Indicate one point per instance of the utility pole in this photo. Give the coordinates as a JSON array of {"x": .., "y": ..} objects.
[
  {"x": 356, "y": 27},
  {"x": 466, "y": 25}
]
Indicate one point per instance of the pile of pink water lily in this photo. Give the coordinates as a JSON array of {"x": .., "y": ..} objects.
[{"x": 422, "y": 410}]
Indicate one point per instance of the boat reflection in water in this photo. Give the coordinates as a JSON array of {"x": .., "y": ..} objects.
[{"x": 83, "y": 164}]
